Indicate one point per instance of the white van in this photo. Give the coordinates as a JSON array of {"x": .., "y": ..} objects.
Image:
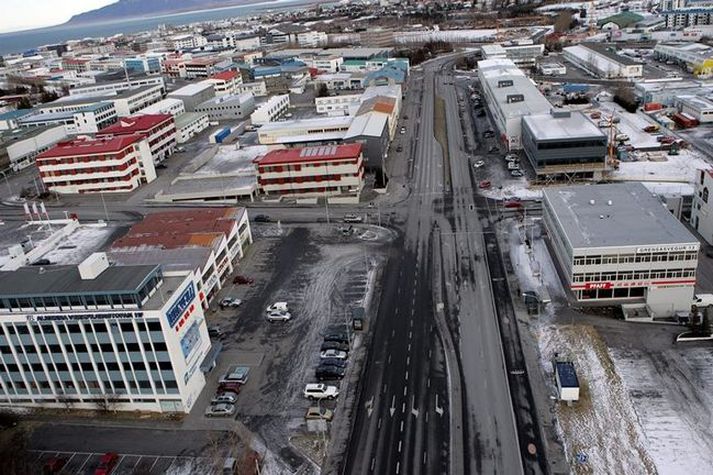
[{"x": 703, "y": 300}]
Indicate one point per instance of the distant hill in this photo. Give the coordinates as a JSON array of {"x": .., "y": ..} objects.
[{"x": 141, "y": 8}]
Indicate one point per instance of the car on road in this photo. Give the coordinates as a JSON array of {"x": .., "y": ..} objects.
[
  {"x": 334, "y": 345},
  {"x": 229, "y": 387},
  {"x": 230, "y": 302},
  {"x": 484, "y": 184},
  {"x": 262, "y": 218},
  {"x": 403, "y": 130},
  {"x": 321, "y": 413},
  {"x": 337, "y": 337},
  {"x": 215, "y": 332},
  {"x": 107, "y": 462},
  {"x": 242, "y": 280},
  {"x": 341, "y": 363},
  {"x": 54, "y": 465},
  {"x": 333, "y": 354},
  {"x": 220, "y": 410},
  {"x": 180, "y": 149},
  {"x": 516, "y": 173},
  {"x": 488, "y": 134},
  {"x": 236, "y": 374},
  {"x": 399, "y": 148},
  {"x": 277, "y": 307},
  {"x": 479, "y": 164},
  {"x": 323, "y": 373},
  {"x": 512, "y": 204},
  {"x": 352, "y": 218},
  {"x": 278, "y": 316},
  {"x": 226, "y": 397},
  {"x": 320, "y": 391}
]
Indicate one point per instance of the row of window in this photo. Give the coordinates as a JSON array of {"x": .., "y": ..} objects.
[
  {"x": 82, "y": 171},
  {"x": 87, "y": 366},
  {"x": 305, "y": 179},
  {"x": 89, "y": 386},
  {"x": 636, "y": 258},
  {"x": 82, "y": 348},
  {"x": 88, "y": 158},
  {"x": 619, "y": 293},
  {"x": 98, "y": 327},
  {"x": 634, "y": 275}
]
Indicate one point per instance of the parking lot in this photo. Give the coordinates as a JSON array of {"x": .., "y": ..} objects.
[{"x": 81, "y": 463}]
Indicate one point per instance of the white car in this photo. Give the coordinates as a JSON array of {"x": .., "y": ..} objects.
[
  {"x": 352, "y": 218},
  {"x": 320, "y": 391},
  {"x": 513, "y": 166},
  {"x": 227, "y": 397},
  {"x": 220, "y": 410},
  {"x": 278, "y": 316},
  {"x": 703, "y": 300},
  {"x": 230, "y": 302},
  {"x": 479, "y": 163},
  {"x": 511, "y": 157},
  {"x": 340, "y": 355},
  {"x": 277, "y": 307},
  {"x": 621, "y": 137},
  {"x": 403, "y": 130},
  {"x": 516, "y": 173}
]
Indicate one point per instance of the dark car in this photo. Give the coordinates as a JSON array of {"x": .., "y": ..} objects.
[
  {"x": 333, "y": 362},
  {"x": 107, "y": 462},
  {"x": 242, "y": 280},
  {"x": 334, "y": 345},
  {"x": 337, "y": 337},
  {"x": 328, "y": 372},
  {"x": 262, "y": 218},
  {"x": 229, "y": 386}
]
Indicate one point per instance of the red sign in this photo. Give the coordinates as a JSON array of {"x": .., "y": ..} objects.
[{"x": 598, "y": 285}]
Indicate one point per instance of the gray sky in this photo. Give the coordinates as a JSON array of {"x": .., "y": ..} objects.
[{"x": 26, "y": 14}]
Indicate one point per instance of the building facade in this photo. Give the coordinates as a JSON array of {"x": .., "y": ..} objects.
[
  {"x": 271, "y": 110},
  {"x": 702, "y": 208},
  {"x": 158, "y": 129},
  {"x": 616, "y": 244},
  {"x": 189, "y": 125},
  {"x": 108, "y": 164},
  {"x": 338, "y": 104},
  {"x": 603, "y": 61},
  {"x": 193, "y": 95},
  {"x": 226, "y": 83},
  {"x": 234, "y": 107},
  {"x": 101, "y": 337}
]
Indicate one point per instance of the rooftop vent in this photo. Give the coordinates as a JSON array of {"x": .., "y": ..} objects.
[
  {"x": 512, "y": 98},
  {"x": 92, "y": 266},
  {"x": 505, "y": 83},
  {"x": 610, "y": 202},
  {"x": 559, "y": 113}
]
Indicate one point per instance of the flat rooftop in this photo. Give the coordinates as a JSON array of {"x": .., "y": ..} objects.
[
  {"x": 191, "y": 89},
  {"x": 610, "y": 51},
  {"x": 494, "y": 71},
  {"x": 562, "y": 126},
  {"x": 635, "y": 217},
  {"x": 329, "y": 122}
]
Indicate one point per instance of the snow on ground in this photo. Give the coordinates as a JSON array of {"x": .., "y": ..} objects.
[
  {"x": 632, "y": 124},
  {"x": 602, "y": 424},
  {"x": 513, "y": 189},
  {"x": 671, "y": 394},
  {"x": 672, "y": 168},
  {"x": 79, "y": 245},
  {"x": 662, "y": 188}
]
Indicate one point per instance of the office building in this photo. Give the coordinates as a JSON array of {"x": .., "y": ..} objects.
[
  {"x": 170, "y": 105},
  {"x": 23, "y": 145},
  {"x": 226, "y": 83},
  {"x": 193, "y": 95},
  {"x": 189, "y": 125},
  {"x": 106, "y": 88},
  {"x": 336, "y": 104},
  {"x": 603, "y": 61},
  {"x": 271, "y": 110},
  {"x": 564, "y": 144},
  {"x": 101, "y": 337},
  {"x": 87, "y": 119},
  {"x": 233, "y": 107},
  {"x": 107, "y": 164},
  {"x": 617, "y": 244},
  {"x": 322, "y": 130}
]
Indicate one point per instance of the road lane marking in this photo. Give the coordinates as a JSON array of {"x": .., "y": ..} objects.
[
  {"x": 399, "y": 446},
  {"x": 408, "y": 360},
  {"x": 398, "y": 466},
  {"x": 389, "y": 361},
  {"x": 402, "y": 426},
  {"x": 396, "y": 312},
  {"x": 373, "y": 461},
  {"x": 153, "y": 464},
  {"x": 424, "y": 457},
  {"x": 410, "y": 334},
  {"x": 428, "y": 383},
  {"x": 406, "y": 375},
  {"x": 378, "y": 424},
  {"x": 409, "y": 348},
  {"x": 405, "y": 389},
  {"x": 403, "y": 408},
  {"x": 411, "y": 323}
]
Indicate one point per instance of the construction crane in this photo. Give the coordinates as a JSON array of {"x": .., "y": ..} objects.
[{"x": 612, "y": 159}]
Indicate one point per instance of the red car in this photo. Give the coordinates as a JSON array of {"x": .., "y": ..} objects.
[
  {"x": 512, "y": 204},
  {"x": 242, "y": 280},
  {"x": 230, "y": 386},
  {"x": 54, "y": 465},
  {"x": 484, "y": 185},
  {"x": 107, "y": 462}
]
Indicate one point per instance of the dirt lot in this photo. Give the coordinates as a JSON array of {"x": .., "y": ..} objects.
[{"x": 322, "y": 273}]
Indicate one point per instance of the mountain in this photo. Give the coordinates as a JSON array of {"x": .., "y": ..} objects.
[{"x": 123, "y": 9}]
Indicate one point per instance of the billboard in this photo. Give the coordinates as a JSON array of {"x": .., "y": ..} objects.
[
  {"x": 181, "y": 304},
  {"x": 190, "y": 340}
]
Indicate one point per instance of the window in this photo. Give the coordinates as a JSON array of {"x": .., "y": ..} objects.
[{"x": 704, "y": 195}]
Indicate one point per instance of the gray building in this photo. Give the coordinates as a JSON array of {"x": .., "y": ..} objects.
[
  {"x": 372, "y": 131},
  {"x": 193, "y": 95},
  {"x": 565, "y": 144},
  {"x": 232, "y": 107}
]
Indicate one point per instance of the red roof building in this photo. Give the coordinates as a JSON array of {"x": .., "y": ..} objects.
[
  {"x": 106, "y": 164},
  {"x": 158, "y": 129},
  {"x": 312, "y": 171},
  {"x": 226, "y": 82}
]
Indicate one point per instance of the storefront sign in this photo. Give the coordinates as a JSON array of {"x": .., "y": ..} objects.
[
  {"x": 66, "y": 317},
  {"x": 181, "y": 304},
  {"x": 598, "y": 285},
  {"x": 669, "y": 248}
]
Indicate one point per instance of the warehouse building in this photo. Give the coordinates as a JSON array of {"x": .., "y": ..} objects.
[
  {"x": 190, "y": 124},
  {"x": 193, "y": 95},
  {"x": 23, "y": 145},
  {"x": 271, "y": 110},
  {"x": 169, "y": 105},
  {"x": 696, "y": 58},
  {"x": 322, "y": 130},
  {"x": 233, "y": 107},
  {"x": 102, "y": 337},
  {"x": 617, "y": 244},
  {"x": 698, "y": 107},
  {"x": 564, "y": 144},
  {"x": 85, "y": 120},
  {"x": 603, "y": 61},
  {"x": 510, "y": 96}
]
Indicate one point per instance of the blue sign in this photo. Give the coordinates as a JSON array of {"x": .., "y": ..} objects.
[{"x": 181, "y": 304}]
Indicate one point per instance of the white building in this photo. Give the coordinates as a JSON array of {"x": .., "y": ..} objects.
[
  {"x": 236, "y": 106},
  {"x": 523, "y": 54},
  {"x": 510, "y": 96},
  {"x": 85, "y": 120},
  {"x": 190, "y": 124},
  {"x": 25, "y": 144},
  {"x": 617, "y": 244},
  {"x": 226, "y": 83},
  {"x": 188, "y": 41},
  {"x": 170, "y": 105},
  {"x": 702, "y": 208},
  {"x": 603, "y": 61},
  {"x": 696, "y": 58},
  {"x": 102, "y": 89},
  {"x": 102, "y": 337},
  {"x": 312, "y": 39},
  {"x": 304, "y": 130},
  {"x": 699, "y": 107},
  {"x": 194, "y": 94},
  {"x": 338, "y": 104},
  {"x": 552, "y": 69},
  {"x": 257, "y": 89},
  {"x": 271, "y": 110}
]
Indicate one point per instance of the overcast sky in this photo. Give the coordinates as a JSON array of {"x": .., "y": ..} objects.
[{"x": 26, "y": 14}]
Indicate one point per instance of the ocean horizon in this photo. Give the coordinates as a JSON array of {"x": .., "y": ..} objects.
[{"x": 21, "y": 41}]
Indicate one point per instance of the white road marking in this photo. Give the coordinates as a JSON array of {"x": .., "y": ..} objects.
[
  {"x": 378, "y": 424},
  {"x": 409, "y": 348},
  {"x": 402, "y": 426},
  {"x": 410, "y": 334},
  {"x": 373, "y": 461},
  {"x": 399, "y": 446},
  {"x": 428, "y": 383},
  {"x": 406, "y": 375},
  {"x": 405, "y": 389},
  {"x": 398, "y": 466},
  {"x": 408, "y": 360},
  {"x": 424, "y": 457},
  {"x": 389, "y": 361}
]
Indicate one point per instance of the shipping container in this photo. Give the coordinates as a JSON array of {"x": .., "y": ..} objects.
[
  {"x": 684, "y": 120},
  {"x": 653, "y": 106}
]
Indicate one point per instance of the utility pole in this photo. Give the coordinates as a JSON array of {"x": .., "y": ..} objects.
[{"x": 106, "y": 213}]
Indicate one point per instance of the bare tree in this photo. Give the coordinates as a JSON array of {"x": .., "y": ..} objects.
[
  {"x": 66, "y": 400},
  {"x": 107, "y": 402}
]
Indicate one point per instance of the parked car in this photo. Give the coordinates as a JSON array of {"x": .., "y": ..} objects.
[
  {"x": 621, "y": 137},
  {"x": 107, "y": 462},
  {"x": 242, "y": 280},
  {"x": 511, "y": 157},
  {"x": 352, "y": 218},
  {"x": 230, "y": 302},
  {"x": 227, "y": 397},
  {"x": 341, "y": 363},
  {"x": 320, "y": 391},
  {"x": 512, "y": 204},
  {"x": 479, "y": 164},
  {"x": 262, "y": 218},
  {"x": 516, "y": 173},
  {"x": 604, "y": 124},
  {"x": 54, "y": 465},
  {"x": 277, "y": 307},
  {"x": 651, "y": 128},
  {"x": 337, "y": 337},
  {"x": 513, "y": 166},
  {"x": 220, "y": 410},
  {"x": 328, "y": 372},
  {"x": 322, "y": 413},
  {"x": 333, "y": 354},
  {"x": 229, "y": 387},
  {"x": 215, "y": 332},
  {"x": 399, "y": 148},
  {"x": 236, "y": 374},
  {"x": 403, "y": 130},
  {"x": 334, "y": 345},
  {"x": 484, "y": 184},
  {"x": 278, "y": 316}
]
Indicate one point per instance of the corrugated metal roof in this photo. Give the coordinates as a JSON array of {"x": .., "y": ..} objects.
[{"x": 310, "y": 154}]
